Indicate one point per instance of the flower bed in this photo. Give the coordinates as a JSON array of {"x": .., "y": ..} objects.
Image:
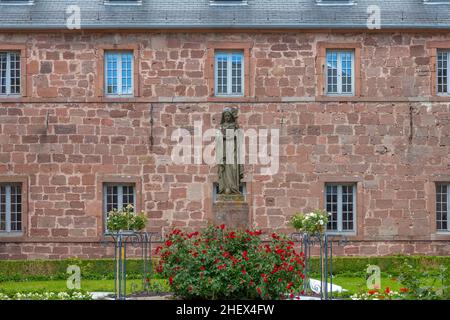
[
  {"x": 70, "y": 295},
  {"x": 218, "y": 263}
]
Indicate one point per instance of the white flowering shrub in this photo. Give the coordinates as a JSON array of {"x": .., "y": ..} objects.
[
  {"x": 313, "y": 222},
  {"x": 70, "y": 295}
]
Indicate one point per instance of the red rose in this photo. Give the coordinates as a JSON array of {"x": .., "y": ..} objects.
[
  {"x": 290, "y": 284},
  {"x": 170, "y": 280},
  {"x": 259, "y": 290},
  {"x": 169, "y": 243},
  {"x": 190, "y": 235},
  {"x": 232, "y": 235},
  {"x": 222, "y": 226},
  {"x": 222, "y": 266},
  {"x": 404, "y": 290},
  {"x": 244, "y": 254},
  {"x": 372, "y": 292},
  {"x": 202, "y": 268},
  {"x": 244, "y": 272},
  {"x": 388, "y": 290}
]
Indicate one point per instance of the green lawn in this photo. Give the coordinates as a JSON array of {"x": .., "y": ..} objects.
[
  {"x": 358, "y": 284},
  {"x": 60, "y": 285},
  {"x": 352, "y": 284}
]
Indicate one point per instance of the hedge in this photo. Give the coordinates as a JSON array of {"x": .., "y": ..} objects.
[
  {"x": 388, "y": 264},
  {"x": 23, "y": 270},
  {"x": 92, "y": 269}
]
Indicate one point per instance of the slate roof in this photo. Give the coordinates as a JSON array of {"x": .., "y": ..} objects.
[{"x": 258, "y": 14}]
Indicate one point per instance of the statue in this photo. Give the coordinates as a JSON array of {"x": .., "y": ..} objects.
[{"x": 230, "y": 172}]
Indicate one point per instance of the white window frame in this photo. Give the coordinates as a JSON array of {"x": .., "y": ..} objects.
[
  {"x": 448, "y": 210},
  {"x": 340, "y": 230},
  {"x": 339, "y": 72},
  {"x": 8, "y": 209},
  {"x": 8, "y": 74},
  {"x": 229, "y": 55},
  {"x": 447, "y": 52},
  {"x": 119, "y": 73},
  {"x": 119, "y": 198}
]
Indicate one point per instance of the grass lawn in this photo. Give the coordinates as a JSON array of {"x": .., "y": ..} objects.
[
  {"x": 352, "y": 284},
  {"x": 359, "y": 284},
  {"x": 60, "y": 285}
]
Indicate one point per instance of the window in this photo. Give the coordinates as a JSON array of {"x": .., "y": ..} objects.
[
  {"x": 119, "y": 73},
  {"x": 442, "y": 71},
  {"x": 26, "y": 2},
  {"x": 442, "y": 206},
  {"x": 229, "y": 74},
  {"x": 227, "y": 2},
  {"x": 335, "y": 2},
  {"x": 436, "y": 1},
  {"x": 118, "y": 196},
  {"x": 340, "y": 76},
  {"x": 123, "y": 2},
  {"x": 340, "y": 201},
  {"x": 9, "y": 72},
  {"x": 10, "y": 207}
]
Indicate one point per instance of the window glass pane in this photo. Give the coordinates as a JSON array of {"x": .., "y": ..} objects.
[
  {"x": 441, "y": 206},
  {"x": 128, "y": 195},
  {"x": 332, "y": 72},
  {"x": 111, "y": 71},
  {"x": 111, "y": 198},
  {"x": 236, "y": 67},
  {"x": 346, "y": 61},
  {"x": 15, "y": 73},
  {"x": 347, "y": 207},
  {"x": 442, "y": 71},
  {"x": 3, "y": 64},
  {"x": 127, "y": 59},
  {"x": 332, "y": 206},
  {"x": 16, "y": 208},
  {"x": 2, "y": 208},
  {"x": 222, "y": 73}
]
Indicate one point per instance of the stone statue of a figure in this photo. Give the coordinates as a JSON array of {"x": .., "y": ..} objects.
[{"x": 230, "y": 171}]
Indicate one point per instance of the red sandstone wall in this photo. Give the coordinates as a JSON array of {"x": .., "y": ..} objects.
[{"x": 65, "y": 140}]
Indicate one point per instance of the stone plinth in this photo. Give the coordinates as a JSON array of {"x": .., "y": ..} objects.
[{"x": 231, "y": 210}]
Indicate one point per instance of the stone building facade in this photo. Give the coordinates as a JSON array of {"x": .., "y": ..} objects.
[{"x": 64, "y": 140}]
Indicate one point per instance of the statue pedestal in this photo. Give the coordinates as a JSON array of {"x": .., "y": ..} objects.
[{"x": 231, "y": 210}]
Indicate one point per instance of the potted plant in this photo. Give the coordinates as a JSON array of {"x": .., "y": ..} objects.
[
  {"x": 126, "y": 220},
  {"x": 313, "y": 222}
]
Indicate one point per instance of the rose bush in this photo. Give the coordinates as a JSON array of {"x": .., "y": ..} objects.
[{"x": 218, "y": 263}]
